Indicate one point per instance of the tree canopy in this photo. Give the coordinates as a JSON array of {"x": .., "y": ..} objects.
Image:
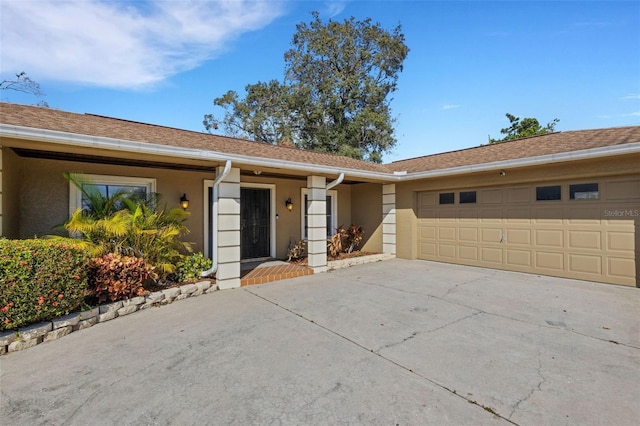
[
  {"x": 335, "y": 95},
  {"x": 522, "y": 128}
]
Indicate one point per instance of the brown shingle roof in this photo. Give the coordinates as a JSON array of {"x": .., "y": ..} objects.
[
  {"x": 552, "y": 143},
  {"x": 95, "y": 125}
]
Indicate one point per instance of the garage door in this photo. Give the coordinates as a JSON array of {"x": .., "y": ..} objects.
[{"x": 587, "y": 230}]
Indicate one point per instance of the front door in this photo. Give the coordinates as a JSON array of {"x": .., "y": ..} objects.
[{"x": 255, "y": 223}]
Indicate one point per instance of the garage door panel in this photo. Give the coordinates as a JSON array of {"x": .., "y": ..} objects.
[
  {"x": 447, "y": 233},
  {"x": 447, "y": 215},
  {"x": 491, "y": 196},
  {"x": 428, "y": 250},
  {"x": 519, "y": 236},
  {"x": 519, "y": 195},
  {"x": 626, "y": 190},
  {"x": 579, "y": 215},
  {"x": 518, "y": 215},
  {"x": 427, "y": 199},
  {"x": 428, "y": 215},
  {"x": 519, "y": 258},
  {"x": 583, "y": 263},
  {"x": 468, "y": 253},
  {"x": 493, "y": 215},
  {"x": 621, "y": 267},
  {"x": 468, "y": 235},
  {"x": 447, "y": 250},
  {"x": 491, "y": 255},
  {"x": 548, "y": 215},
  {"x": 549, "y": 260},
  {"x": 549, "y": 237},
  {"x": 581, "y": 239},
  {"x": 469, "y": 215},
  {"x": 622, "y": 241},
  {"x": 491, "y": 235},
  {"x": 428, "y": 233}
]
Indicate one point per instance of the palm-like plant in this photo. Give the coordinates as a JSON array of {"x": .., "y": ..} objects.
[{"x": 129, "y": 226}]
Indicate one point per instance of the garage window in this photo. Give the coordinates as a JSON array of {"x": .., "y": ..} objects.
[
  {"x": 447, "y": 198},
  {"x": 547, "y": 193},
  {"x": 467, "y": 197},
  {"x": 583, "y": 191}
]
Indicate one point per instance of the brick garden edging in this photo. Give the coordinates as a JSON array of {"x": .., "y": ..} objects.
[{"x": 32, "y": 335}]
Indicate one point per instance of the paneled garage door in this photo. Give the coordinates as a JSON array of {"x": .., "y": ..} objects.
[{"x": 585, "y": 230}]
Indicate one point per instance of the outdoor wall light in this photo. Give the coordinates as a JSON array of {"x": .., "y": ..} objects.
[
  {"x": 289, "y": 204},
  {"x": 184, "y": 202},
  {"x": 502, "y": 173}
]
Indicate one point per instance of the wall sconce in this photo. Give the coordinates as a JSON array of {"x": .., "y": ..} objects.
[
  {"x": 289, "y": 204},
  {"x": 502, "y": 173},
  {"x": 184, "y": 202}
]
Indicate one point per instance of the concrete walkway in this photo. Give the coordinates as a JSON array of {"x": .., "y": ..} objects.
[{"x": 394, "y": 342}]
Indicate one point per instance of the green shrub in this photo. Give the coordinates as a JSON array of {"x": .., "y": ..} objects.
[
  {"x": 40, "y": 280},
  {"x": 188, "y": 268},
  {"x": 114, "y": 277}
]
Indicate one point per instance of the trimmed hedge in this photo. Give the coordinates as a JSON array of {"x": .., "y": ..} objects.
[{"x": 40, "y": 280}]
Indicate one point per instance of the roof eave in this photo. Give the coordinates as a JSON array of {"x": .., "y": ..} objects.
[
  {"x": 87, "y": 141},
  {"x": 608, "y": 151}
]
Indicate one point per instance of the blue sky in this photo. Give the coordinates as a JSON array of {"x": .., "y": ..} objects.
[{"x": 163, "y": 62}]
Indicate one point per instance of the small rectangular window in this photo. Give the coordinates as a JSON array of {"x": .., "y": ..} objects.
[
  {"x": 583, "y": 191},
  {"x": 546, "y": 193},
  {"x": 447, "y": 198},
  {"x": 467, "y": 197}
]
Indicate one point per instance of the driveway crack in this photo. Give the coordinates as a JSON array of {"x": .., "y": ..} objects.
[{"x": 389, "y": 360}]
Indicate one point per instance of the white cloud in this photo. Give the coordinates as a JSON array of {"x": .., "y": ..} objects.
[
  {"x": 334, "y": 8},
  {"x": 630, "y": 97},
  {"x": 633, "y": 114},
  {"x": 450, "y": 106},
  {"x": 122, "y": 44}
]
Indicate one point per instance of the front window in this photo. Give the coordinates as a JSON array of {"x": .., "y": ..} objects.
[
  {"x": 108, "y": 186},
  {"x": 332, "y": 217}
]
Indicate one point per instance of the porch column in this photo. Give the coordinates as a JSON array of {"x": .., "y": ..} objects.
[
  {"x": 389, "y": 219},
  {"x": 228, "y": 238},
  {"x": 317, "y": 223}
]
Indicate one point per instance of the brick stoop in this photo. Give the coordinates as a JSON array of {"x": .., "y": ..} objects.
[{"x": 274, "y": 273}]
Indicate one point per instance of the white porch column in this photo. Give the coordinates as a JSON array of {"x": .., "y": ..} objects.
[
  {"x": 389, "y": 219},
  {"x": 228, "y": 238},
  {"x": 317, "y": 223}
]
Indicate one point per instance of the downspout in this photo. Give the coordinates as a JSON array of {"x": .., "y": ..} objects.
[
  {"x": 214, "y": 221},
  {"x": 336, "y": 182}
]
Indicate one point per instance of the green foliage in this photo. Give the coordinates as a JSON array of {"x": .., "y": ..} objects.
[
  {"x": 113, "y": 277},
  {"x": 40, "y": 280},
  {"x": 345, "y": 240},
  {"x": 522, "y": 128},
  {"x": 336, "y": 94},
  {"x": 130, "y": 227},
  {"x": 189, "y": 268}
]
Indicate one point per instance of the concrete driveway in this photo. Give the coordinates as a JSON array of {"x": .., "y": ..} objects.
[{"x": 394, "y": 342}]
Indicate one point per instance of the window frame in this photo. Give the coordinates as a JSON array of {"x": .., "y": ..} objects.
[
  {"x": 75, "y": 195},
  {"x": 572, "y": 191},
  {"x": 549, "y": 199},
  {"x": 462, "y": 200},
  {"x": 453, "y": 198},
  {"x": 303, "y": 211}
]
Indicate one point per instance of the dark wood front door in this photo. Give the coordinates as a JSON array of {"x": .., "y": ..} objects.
[{"x": 255, "y": 223}]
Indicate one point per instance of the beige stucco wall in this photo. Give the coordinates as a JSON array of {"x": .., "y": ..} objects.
[
  {"x": 366, "y": 202},
  {"x": 11, "y": 166},
  {"x": 43, "y": 199}
]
